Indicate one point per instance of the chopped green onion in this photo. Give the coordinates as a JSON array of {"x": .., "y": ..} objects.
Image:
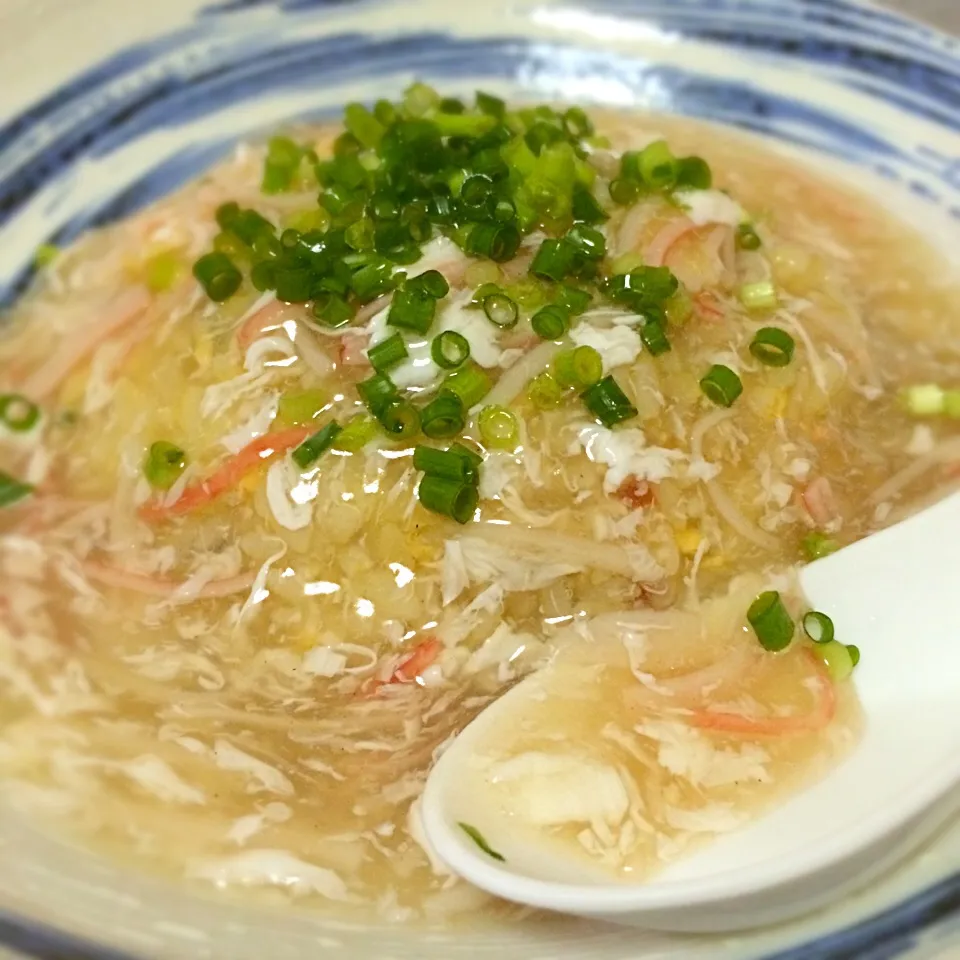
[
  {"x": 643, "y": 287},
  {"x": 18, "y": 413},
  {"x": 419, "y": 98},
  {"x": 838, "y": 660},
  {"x": 773, "y": 346},
  {"x": 496, "y": 241},
  {"x": 748, "y": 238},
  {"x": 376, "y": 392},
  {"x": 694, "y": 173},
  {"x": 356, "y": 434},
  {"x": 363, "y": 125},
  {"x": 412, "y": 308},
  {"x": 721, "y": 385},
  {"x": 657, "y": 166},
  {"x": 387, "y": 353},
  {"x": 758, "y": 296},
  {"x": 399, "y": 418},
  {"x": 816, "y": 545},
  {"x": 161, "y": 271},
  {"x": 550, "y": 322},
  {"x": 300, "y": 408},
  {"x": 449, "y": 498},
  {"x": 818, "y": 626},
  {"x": 554, "y": 259},
  {"x": 12, "y": 490},
  {"x": 574, "y": 300},
  {"x": 654, "y": 338},
  {"x": 482, "y": 292},
  {"x": 585, "y": 206},
  {"x": 854, "y": 652},
  {"x": 470, "y": 383},
  {"x": 477, "y": 837},
  {"x": 310, "y": 450},
  {"x": 624, "y": 192},
  {"x": 448, "y": 464},
  {"x": 588, "y": 242},
  {"x": 332, "y": 310},
  {"x": 501, "y": 310},
  {"x": 360, "y": 235},
  {"x": 498, "y": 427},
  {"x": 545, "y": 392},
  {"x": 44, "y": 255},
  {"x": 432, "y": 282},
  {"x": 218, "y": 276},
  {"x": 443, "y": 416},
  {"x": 924, "y": 400},
  {"x": 476, "y": 190},
  {"x": 608, "y": 403},
  {"x": 771, "y": 621},
  {"x": 577, "y": 124},
  {"x": 449, "y": 349},
  {"x": 487, "y": 103},
  {"x": 293, "y": 284},
  {"x": 163, "y": 464},
  {"x": 951, "y": 403},
  {"x": 579, "y": 367},
  {"x": 467, "y": 453}
]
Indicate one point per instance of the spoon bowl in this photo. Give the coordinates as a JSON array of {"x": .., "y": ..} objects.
[{"x": 892, "y": 594}]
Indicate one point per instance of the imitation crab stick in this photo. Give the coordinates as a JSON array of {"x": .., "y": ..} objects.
[{"x": 226, "y": 476}]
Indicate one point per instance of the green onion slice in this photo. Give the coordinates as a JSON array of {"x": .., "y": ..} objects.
[
  {"x": 854, "y": 652},
  {"x": 545, "y": 392},
  {"x": 816, "y": 545},
  {"x": 376, "y": 392},
  {"x": 310, "y": 450},
  {"x": 838, "y": 660},
  {"x": 449, "y": 349},
  {"x": 550, "y": 322},
  {"x": 748, "y": 238},
  {"x": 449, "y": 498},
  {"x": 501, "y": 310},
  {"x": 771, "y": 621},
  {"x": 443, "y": 416},
  {"x": 773, "y": 346},
  {"x": 472, "y": 456},
  {"x": 18, "y": 413},
  {"x": 12, "y": 490},
  {"x": 449, "y": 464},
  {"x": 477, "y": 837},
  {"x": 163, "y": 465},
  {"x": 357, "y": 432},
  {"x": 580, "y": 367},
  {"x": 388, "y": 353},
  {"x": 608, "y": 403},
  {"x": 654, "y": 338},
  {"x": 759, "y": 296},
  {"x": 498, "y": 427},
  {"x": 399, "y": 418},
  {"x": 470, "y": 383},
  {"x": 818, "y": 626},
  {"x": 217, "y": 275},
  {"x": 721, "y": 385}
]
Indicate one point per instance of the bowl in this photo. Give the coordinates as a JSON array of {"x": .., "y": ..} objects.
[{"x": 107, "y": 105}]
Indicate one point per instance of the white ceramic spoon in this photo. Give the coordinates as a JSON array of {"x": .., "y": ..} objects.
[{"x": 896, "y": 595}]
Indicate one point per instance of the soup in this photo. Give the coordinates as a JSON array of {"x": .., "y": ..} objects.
[{"x": 292, "y": 489}]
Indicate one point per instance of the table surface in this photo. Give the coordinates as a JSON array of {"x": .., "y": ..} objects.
[{"x": 944, "y": 13}]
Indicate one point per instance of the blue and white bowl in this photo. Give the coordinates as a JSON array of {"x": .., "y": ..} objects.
[{"x": 107, "y": 104}]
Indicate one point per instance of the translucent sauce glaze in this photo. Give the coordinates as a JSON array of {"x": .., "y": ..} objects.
[{"x": 252, "y": 693}]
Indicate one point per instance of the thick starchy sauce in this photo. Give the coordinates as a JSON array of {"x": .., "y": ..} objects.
[{"x": 242, "y": 671}]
